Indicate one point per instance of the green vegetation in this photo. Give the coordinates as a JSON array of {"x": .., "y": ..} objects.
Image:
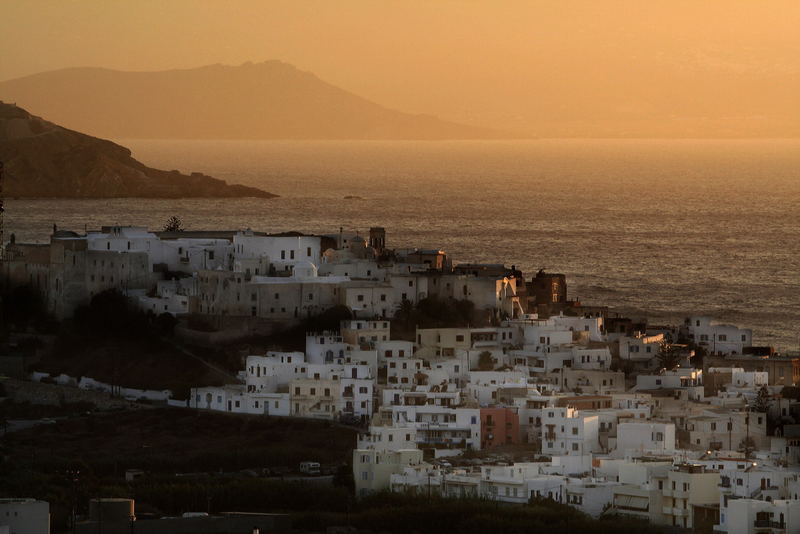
[
  {"x": 434, "y": 312},
  {"x": 215, "y": 448},
  {"x": 113, "y": 341},
  {"x": 294, "y": 338},
  {"x": 170, "y": 440},
  {"x": 173, "y": 224},
  {"x": 23, "y": 308},
  {"x": 26, "y": 410},
  {"x": 762, "y": 401},
  {"x": 398, "y": 513},
  {"x": 668, "y": 356},
  {"x": 790, "y": 392},
  {"x": 485, "y": 361}
]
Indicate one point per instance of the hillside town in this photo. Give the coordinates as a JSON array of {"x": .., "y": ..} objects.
[{"x": 531, "y": 396}]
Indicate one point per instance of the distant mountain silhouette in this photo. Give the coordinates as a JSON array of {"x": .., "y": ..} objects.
[
  {"x": 270, "y": 100},
  {"x": 43, "y": 159}
]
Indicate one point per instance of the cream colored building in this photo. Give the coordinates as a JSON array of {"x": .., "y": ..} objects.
[
  {"x": 687, "y": 485},
  {"x": 380, "y": 453}
]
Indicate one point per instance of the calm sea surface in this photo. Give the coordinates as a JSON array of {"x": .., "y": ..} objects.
[{"x": 656, "y": 228}]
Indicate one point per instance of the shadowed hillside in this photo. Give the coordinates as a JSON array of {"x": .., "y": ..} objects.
[{"x": 43, "y": 159}]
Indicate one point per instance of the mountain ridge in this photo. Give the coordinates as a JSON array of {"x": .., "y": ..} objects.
[{"x": 267, "y": 100}]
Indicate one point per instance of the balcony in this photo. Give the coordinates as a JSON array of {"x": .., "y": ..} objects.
[
  {"x": 676, "y": 512},
  {"x": 767, "y": 523}
]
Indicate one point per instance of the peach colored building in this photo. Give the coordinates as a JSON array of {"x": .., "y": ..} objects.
[{"x": 499, "y": 426}]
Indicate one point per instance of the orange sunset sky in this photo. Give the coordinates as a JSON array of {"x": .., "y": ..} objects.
[{"x": 520, "y": 66}]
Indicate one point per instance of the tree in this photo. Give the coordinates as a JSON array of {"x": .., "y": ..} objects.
[
  {"x": 668, "y": 356},
  {"x": 761, "y": 404},
  {"x": 485, "y": 361},
  {"x": 174, "y": 224},
  {"x": 700, "y": 353}
]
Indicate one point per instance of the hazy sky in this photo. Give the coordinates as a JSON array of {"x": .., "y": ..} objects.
[{"x": 504, "y": 63}]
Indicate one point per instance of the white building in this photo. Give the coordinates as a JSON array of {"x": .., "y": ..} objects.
[
  {"x": 639, "y": 437},
  {"x": 567, "y": 432},
  {"x": 24, "y": 516},
  {"x": 718, "y": 338}
]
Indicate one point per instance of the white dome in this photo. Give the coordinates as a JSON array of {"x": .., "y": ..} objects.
[{"x": 304, "y": 269}]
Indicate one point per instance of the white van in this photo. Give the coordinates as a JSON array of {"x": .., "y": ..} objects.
[{"x": 310, "y": 468}]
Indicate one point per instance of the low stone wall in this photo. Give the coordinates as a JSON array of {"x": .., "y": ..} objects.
[
  {"x": 87, "y": 383},
  {"x": 54, "y": 395}
]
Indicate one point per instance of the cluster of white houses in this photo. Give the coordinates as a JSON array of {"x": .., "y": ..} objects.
[
  {"x": 247, "y": 276},
  {"x": 712, "y": 447},
  {"x": 613, "y": 416}
]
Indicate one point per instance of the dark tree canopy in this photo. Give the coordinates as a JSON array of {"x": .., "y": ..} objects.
[{"x": 173, "y": 224}]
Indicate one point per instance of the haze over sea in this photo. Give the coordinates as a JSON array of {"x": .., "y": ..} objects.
[{"x": 660, "y": 228}]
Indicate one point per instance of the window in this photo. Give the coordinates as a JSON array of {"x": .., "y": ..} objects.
[
  {"x": 308, "y": 252},
  {"x": 383, "y": 296},
  {"x": 283, "y": 254},
  {"x": 360, "y": 298},
  {"x": 460, "y": 337},
  {"x": 291, "y": 254},
  {"x": 574, "y": 446}
]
